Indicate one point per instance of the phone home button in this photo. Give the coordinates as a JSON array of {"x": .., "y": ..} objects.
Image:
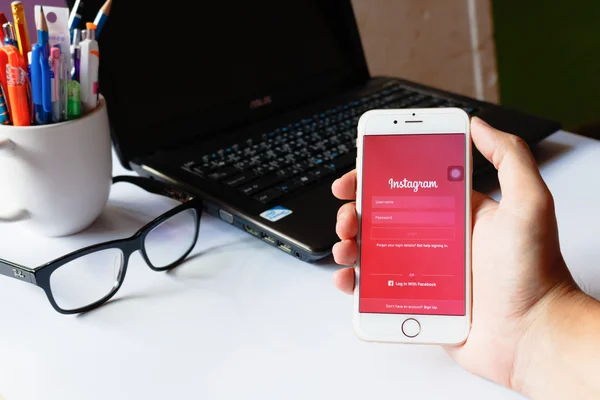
[{"x": 411, "y": 327}]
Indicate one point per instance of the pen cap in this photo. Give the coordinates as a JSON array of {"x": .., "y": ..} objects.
[
  {"x": 91, "y": 31},
  {"x": 8, "y": 30},
  {"x": 55, "y": 53}
]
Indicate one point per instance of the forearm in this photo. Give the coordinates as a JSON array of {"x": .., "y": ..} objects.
[{"x": 561, "y": 352}]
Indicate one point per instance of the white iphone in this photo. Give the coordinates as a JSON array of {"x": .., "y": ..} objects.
[{"x": 413, "y": 274}]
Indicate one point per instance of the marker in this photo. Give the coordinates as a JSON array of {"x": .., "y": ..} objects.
[
  {"x": 73, "y": 100},
  {"x": 101, "y": 17},
  {"x": 16, "y": 78},
  {"x": 20, "y": 21},
  {"x": 75, "y": 17},
  {"x": 3, "y": 21},
  {"x": 90, "y": 61},
  {"x": 9, "y": 35},
  {"x": 55, "y": 71}
]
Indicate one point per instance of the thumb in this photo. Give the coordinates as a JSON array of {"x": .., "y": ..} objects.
[{"x": 521, "y": 184}]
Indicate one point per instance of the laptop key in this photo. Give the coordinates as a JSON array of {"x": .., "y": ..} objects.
[
  {"x": 261, "y": 184},
  {"x": 268, "y": 195},
  {"x": 223, "y": 173},
  {"x": 304, "y": 179},
  {"x": 320, "y": 172},
  {"x": 244, "y": 177},
  {"x": 343, "y": 162},
  {"x": 289, "y": 186}
]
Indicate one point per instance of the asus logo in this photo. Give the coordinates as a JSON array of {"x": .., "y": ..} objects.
[
  {"x": 18, "y": 274},
  {"x": 260, "y": 102}
]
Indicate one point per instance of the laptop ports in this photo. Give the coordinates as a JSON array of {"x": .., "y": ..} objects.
[
  {"x": 226, "y": 216},
  {"x": 268, "y": 239},
  {"x": 285, "y": 247},
  {"x": 250, "y": 230}
]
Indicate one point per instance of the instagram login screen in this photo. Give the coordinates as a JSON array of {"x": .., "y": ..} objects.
[{"x": 412, "y": 233}]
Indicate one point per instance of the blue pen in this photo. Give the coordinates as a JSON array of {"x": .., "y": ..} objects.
[
  {"x": 41, "y": 117},
  {"x": 102, "y": 16},
  {"x": 45, "y": 65},
  {"x": 75, "y": 17}
]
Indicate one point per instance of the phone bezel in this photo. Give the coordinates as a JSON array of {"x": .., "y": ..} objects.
[{"x": 447, "y": 330}]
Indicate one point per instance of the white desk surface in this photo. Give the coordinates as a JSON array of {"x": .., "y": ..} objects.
[{"x": 242, "y": 320}]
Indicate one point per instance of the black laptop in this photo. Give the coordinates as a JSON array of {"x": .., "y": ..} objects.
[{"x": 253, "y": 106}]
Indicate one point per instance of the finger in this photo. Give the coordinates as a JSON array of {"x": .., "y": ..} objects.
[
  {"x": 345, "y": 252},
  {"x": 347, "y": 222},
  {"x": 480, "y": 204},
  {"x": 520, "y": 180},
  {"x": 343, "y": 279},
  {"x": 344, "y": 188}
]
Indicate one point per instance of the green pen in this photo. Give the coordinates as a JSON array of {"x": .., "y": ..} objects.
[{"x": 73, "y": 100}]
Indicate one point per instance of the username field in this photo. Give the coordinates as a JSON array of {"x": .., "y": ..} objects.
[{"x": 414, "y": 202}]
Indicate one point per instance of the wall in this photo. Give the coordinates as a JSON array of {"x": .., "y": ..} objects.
[
  {"x": 29, "y": 11},
  {"x": 549, "y": 58},
  {"x": 446, "y": 44}
]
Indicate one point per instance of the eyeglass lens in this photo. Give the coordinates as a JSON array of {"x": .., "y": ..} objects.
[{"x": 94, "y": 276}]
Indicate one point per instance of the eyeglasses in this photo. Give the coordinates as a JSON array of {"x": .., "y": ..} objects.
[{"x": 89, "y": 277}]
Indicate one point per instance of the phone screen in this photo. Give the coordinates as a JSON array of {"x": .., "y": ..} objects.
[{"x": 412, "y": 257}]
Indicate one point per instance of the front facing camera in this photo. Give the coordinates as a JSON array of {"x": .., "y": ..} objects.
[
  {"x": 395, "y": 121},
  {"x": 413, "y": 114}
]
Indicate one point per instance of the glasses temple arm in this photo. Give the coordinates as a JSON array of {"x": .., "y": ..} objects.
[
  {"x": 155, "y": 186},
  {"x": 16, "y": 271}
]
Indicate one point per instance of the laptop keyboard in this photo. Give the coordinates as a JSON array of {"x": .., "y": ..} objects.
[{"x": 287, "y": 159}]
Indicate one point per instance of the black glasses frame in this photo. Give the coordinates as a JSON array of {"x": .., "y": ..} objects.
[{"x": 40, "y": 276}]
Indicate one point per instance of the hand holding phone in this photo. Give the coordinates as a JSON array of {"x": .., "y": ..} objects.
[
  {"x": 413, "y": 207},
  {"x": 522, "y": 288}
]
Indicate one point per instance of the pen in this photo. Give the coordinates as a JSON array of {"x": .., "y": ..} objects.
[
  {"x": 9, "y": 35},
  {"x": 75, "y": 17},
  {"x": 102, "y": 16},
  {"x": 20, "y": 22},
  {"x": 55, "y": 82},
  {"x": 29, "y": 65},
  {"x": 4, "y": 114},
  {"x": 76, "y": 53},
  {"x": 65, "y": 77},
  {"x": 45, "y": 56},
  {"x": 40, "y": 116},
  {"x": 16, "y": 78},
  {"x": 3, "y": 21}
]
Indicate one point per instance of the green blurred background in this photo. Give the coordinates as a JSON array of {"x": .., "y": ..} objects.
[{"x": 548, "y": 55}]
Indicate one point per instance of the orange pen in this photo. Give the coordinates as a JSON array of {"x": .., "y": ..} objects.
[{"x": 17, "y": 87}]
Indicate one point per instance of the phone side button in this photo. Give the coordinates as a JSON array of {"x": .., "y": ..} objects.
[{"x": 411, "y": 328}]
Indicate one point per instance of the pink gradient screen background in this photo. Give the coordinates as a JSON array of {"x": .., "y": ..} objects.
[{"x": 412, "y": 243}]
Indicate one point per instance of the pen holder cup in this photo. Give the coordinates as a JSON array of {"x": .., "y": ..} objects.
[{"x": 56, "y": 178}]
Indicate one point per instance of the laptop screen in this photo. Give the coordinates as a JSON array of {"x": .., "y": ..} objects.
[{"x": 172, "y": 74}]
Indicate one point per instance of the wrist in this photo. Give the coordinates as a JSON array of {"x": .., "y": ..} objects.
[{"x": 541, "y": 364}]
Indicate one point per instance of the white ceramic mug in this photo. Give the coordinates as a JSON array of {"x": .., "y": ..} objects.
[{"x": 56, "y": 178}]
